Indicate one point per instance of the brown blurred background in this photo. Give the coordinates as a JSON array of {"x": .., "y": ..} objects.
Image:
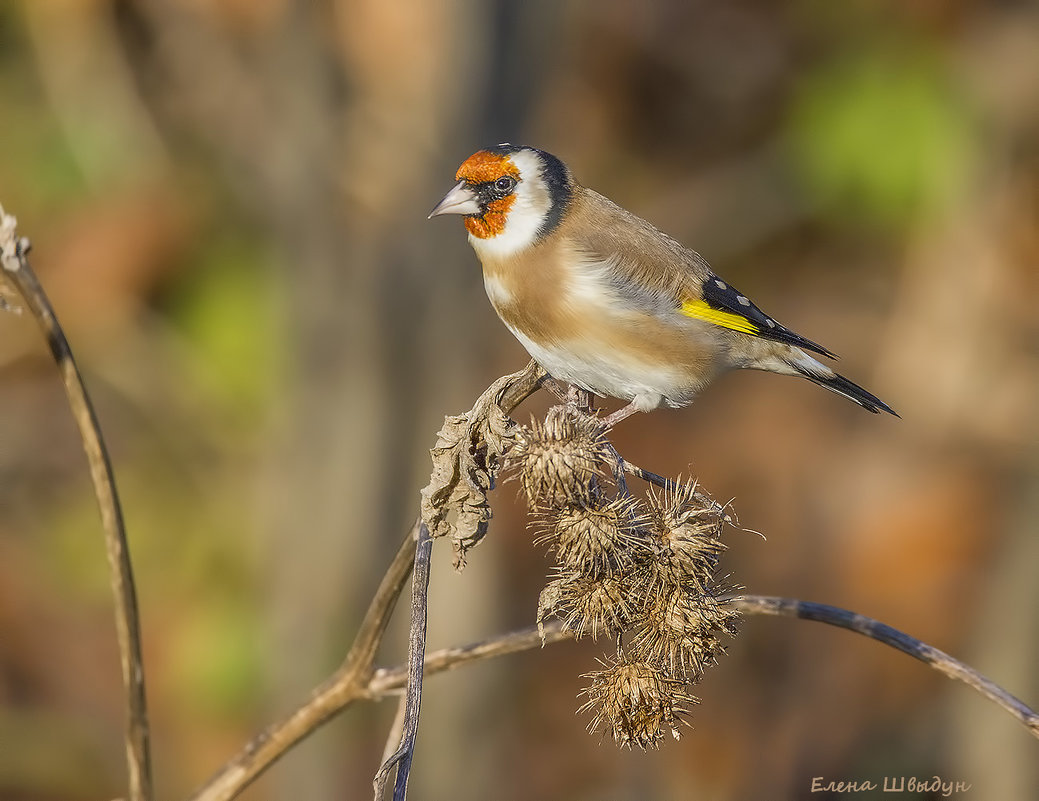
[{"x": 227, "y": 202}]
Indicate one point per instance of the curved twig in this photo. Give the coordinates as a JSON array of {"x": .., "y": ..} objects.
[
  {"x": 350, "y": 682},
  {"x": 389, "y": 681},
  {"x": 340, "y": 690},
  {"x": 881, "y": 632},
  {"x": 386, "y": 681},
  {"x": 15, "y": 264}
]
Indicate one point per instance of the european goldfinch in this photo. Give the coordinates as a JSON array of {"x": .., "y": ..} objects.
[{"x": 604, "y": 301}]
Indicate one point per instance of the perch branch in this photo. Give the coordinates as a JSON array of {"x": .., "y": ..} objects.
[
  {"x": 357, "y": 679},
  {"x": 15, "y": 264}
]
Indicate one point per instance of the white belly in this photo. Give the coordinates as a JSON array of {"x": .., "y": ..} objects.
[{"x": 610, "y": 375}]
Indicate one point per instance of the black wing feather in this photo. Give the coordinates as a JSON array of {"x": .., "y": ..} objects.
[{"x": 720, "y": 295}]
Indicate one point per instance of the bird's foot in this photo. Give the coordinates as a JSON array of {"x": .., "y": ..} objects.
[
  {"x": 558, "y": 389},
  {"x": 623, "y": 413},
  {"x": 580, "y": 400}
]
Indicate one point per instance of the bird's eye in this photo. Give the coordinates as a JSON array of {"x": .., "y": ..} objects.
[{"x": 505, "y": 184}]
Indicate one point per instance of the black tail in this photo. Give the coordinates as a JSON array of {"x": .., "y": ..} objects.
[{"x": 848, "y": 389}]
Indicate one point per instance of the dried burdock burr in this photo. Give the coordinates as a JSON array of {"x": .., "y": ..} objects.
[
  {"x": 587, "y": 606},
  {"x": 558, "y": 460},
  {"x": 606, "y": 536},
  {"x": 687, "y": 530},
  {"x": 636, "y": 701},
  {"x": 683, "y": 632},
  {"x": 641, "y": 572}
]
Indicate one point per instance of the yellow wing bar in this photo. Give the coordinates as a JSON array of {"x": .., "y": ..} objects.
[{"x": 700, "y": 310}]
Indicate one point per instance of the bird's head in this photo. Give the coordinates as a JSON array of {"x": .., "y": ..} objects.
[{"x": 511, "y": 197}]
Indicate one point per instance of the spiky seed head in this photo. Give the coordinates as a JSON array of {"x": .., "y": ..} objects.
[
  {"x": 636, "y": 701},
  {"x": 688, "y": 528},
  {"x": 558, "y": 459},
  {"x": 592, "y": 606},
  {"x": 605, "y": 537},
  {"x": 683, "y": 632}
]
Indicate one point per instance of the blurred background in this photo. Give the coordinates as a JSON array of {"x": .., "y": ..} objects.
[{"x": 227, "y": 203}]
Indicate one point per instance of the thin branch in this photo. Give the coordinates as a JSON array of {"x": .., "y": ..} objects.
[
  {"x": 16, "y": 269},
  {"x": 401, "y": 758},
  {"x": 332, "y": 696},
  {"x": 396, "y": 728},
  {"x": 349, "y": 683},
  {"x": 874, "y": 629},
  {"x": 389, "y": 680},
  {"x": 648, "y": 476},
  {"x": 386, "y": 681}
]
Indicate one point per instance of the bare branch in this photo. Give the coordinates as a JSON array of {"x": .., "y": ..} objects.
[
  {"x": 389, "y": 680},
  {"x": 402, "y": 757},
  {"x": 874, "y": 629},
  {"x": 16, "y": 270},
  {"x": 340, "y": 690},
  {"x": 349, "y": 683},
  {"x": 396, "y": 728}
]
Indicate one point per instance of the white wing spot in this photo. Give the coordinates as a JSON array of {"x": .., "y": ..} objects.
[
  {"x": 769, "y": 322},
  {"x": 720, "y": 284},
  {"x": 743, "y": 301}
]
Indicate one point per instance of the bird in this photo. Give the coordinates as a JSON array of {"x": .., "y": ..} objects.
[{"x": 604, "y": 301}]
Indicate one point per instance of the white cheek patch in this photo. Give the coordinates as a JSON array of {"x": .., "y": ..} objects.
[{"x": 525, "y": 217}]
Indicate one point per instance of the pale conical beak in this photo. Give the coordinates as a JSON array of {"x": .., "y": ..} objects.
[{"x": 460, "y": 200}]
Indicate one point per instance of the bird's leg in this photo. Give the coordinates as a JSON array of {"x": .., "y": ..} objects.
[
  {"x": 609, "y": 422},
  {"x": 556, "y": 388},
  {"x": 623, "y": 413},
  {"x": 579, "y": 399},
  {"x": 618, "y": 469}
]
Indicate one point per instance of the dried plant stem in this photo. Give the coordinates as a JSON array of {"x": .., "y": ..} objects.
[
  {"x": 401, "y": 758},
  {"x": 396, "y": 728},
  {"x": 649, "y": 477},
  {"x": 521, "y": 386},
  {"x": 16, "y": 269},
  {"x": 874, "y": 629},
  {"x": 389, "y": 680},
  {"x": 386, "y": 681},
  {"x": 347, "y": 685},
  {"x": 357, "y": 680},
  {"x": 350, "y": 682}
]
